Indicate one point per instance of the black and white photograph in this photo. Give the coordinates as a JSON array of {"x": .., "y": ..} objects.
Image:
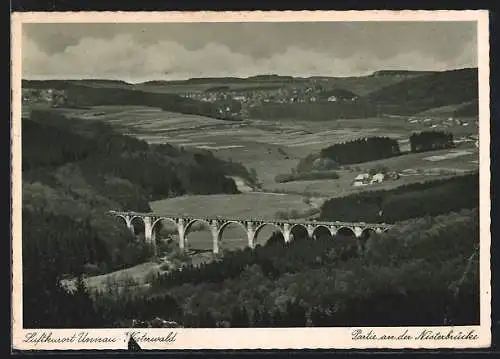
[{"x": 181, "y": 177}]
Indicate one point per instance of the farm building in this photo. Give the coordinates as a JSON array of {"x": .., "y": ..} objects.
[
  {"x": 362, "y": 177},
  {"x": 361, "y": 180},
  {"x": 378, "y": 178}
]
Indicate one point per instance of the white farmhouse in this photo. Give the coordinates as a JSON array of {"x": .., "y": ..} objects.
[
  {"x": 362, "y": 177},
  {"x": 378, "y": 178},
  {"x": 361, "y": 180}
]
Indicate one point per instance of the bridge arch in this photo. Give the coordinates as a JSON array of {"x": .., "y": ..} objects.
[
  {"x": 158, "y": 220},
  {"x": 232, "y": 235},
  {"x": 134, "y": 217},
  {"x": 193, "y": 221},
  {"x": 322, "y": 228},
  {"x": 227, "y": 223},
  {"x": 259, "y": 228},
  {"x": 137, "y": 225},
  {"x": 162, "y": 230},
  {"x": 125, "y": 218},
  {"x": 299, "y": 231},
  {"x": 346, "y": 231}
]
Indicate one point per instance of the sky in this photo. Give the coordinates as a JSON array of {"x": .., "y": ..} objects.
[{"x": 137, "y": 52}]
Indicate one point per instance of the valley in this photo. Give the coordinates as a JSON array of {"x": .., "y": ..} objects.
[{"x": 267, "y": 148}]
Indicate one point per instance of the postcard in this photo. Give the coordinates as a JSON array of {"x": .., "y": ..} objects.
[{"x": 250, "y": 180}]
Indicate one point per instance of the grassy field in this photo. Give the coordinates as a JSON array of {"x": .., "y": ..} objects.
[
  {"x": 414, "y": 167},
  {"x": 273, "y": 148},
  {"x": 137, "y": 276},
  {"x": 269, "y": 147}
]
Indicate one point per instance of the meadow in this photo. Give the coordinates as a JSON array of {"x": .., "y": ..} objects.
[
  {"x": 269, "y": 147},
  {"x": 275, "y": 147}
]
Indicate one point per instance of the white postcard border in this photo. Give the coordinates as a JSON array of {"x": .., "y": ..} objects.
[{"x": 253, "y": 338}]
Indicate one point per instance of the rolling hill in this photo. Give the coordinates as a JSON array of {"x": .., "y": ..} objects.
[
  {"x": 411, "y": 96},
  {"x": 451, "y": 93}
]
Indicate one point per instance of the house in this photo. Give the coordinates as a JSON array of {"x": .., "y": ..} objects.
[
  {"x": 378, "y": 178},
  {"x": 361, "y": 180},
  {"x": 362, "y": 177}
]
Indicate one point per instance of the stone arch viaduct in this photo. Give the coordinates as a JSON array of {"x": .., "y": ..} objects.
[{"x": 251, "y": 226}]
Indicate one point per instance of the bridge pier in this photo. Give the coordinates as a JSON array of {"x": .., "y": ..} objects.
[
  {"x": 333, "y": 231},
  {"x": 130, "y": 226},
  {"x": 149, "y": 234},
  {"x": 250, "y": 234},
  {"x": 286, "y": 232},
  {"x": 310, "y": 231},
  {"x": 181, "y": 231},
  {"x": 214, "y": 228}
]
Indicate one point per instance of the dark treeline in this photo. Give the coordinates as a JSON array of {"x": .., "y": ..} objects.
[
  {"x": 468, "y": 110},
  {"x": 433, "y": 90},
  {"x": 314, "y": 175},
  {"x": 314, "y": 111},
  {"x": 275, "y": 258},
  {"x": 387, "y": 282},
  {"x": 81, "y": 95},
  {"x": 362, "y": 150},
  {"x": 410, "y": 201},
  {"x": 430, "y": 141}
]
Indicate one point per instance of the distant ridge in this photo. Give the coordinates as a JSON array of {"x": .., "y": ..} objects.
[
  {"x": 384, "y": 92},
  {"x": 234, "y": 79},
  {"x": 62, "y": 84},
  {"x": 402, "y": 72}
]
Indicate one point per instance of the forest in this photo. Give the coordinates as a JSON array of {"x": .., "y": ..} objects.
[
  {"x": 313, "y": 175},
  {"x": 75, "y": 171},
  {"x": 431, "y": 90},
  {"x": 429, "y": 198},
  {"x": 431, "y": 141},
  {"x": 362, "y": 150},
  {"x": 386, "y": 281}
]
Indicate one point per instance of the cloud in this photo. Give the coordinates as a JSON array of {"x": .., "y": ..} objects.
[{"x": 124, "y": 57}]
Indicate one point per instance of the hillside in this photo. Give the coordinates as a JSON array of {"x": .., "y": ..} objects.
[
  {"x": 448, "y": 93},
  {"x": 401, "y": 73},
  {"x": 429, "y": 91},
  {"x": 84, "y": 93},
  {"x": 74, "y": 171},
  {"x": 386, "y": 281}
]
